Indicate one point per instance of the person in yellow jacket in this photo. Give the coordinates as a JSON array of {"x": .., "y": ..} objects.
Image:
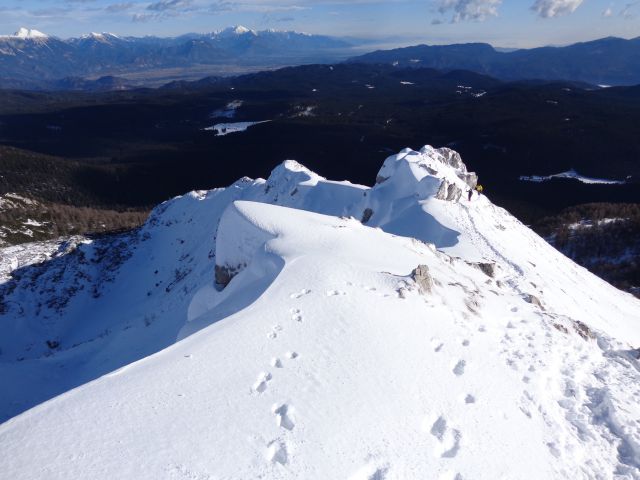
[{"x": 478, "y": 189}]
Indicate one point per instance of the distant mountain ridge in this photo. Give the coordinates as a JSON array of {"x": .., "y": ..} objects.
[
  {"x": 32, "y": 59},
  {"x": 607, "y": 61}
]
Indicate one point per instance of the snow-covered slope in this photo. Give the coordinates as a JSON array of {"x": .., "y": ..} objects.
[{"x": 393, "y": 332}]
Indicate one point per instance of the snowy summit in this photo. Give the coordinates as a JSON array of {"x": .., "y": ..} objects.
[
  {"x": 302, "y": 328},
  {"x": 29, "y": 34},
  {"x": 237, "y": 30}
]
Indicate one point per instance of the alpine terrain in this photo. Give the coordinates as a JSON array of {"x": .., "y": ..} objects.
[{"x": 301, "y": 328}]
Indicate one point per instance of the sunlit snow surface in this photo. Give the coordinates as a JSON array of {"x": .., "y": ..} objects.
[{"x": 322, "y": 358}]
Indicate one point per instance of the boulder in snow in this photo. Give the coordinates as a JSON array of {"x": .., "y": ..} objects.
[{"x": 423, "y": 278}]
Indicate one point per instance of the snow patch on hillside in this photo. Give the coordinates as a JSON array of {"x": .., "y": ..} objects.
[
  {"x": 572, "y": 175},
  {"x": 222, "y": 129}
]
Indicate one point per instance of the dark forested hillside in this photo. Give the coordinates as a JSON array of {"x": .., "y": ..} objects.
[{"x": 610, "y": 61}]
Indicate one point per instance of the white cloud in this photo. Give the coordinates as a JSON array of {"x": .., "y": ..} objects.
[
  {"x": 607, "y": 12},
  {"x": 555, "y": 8},
  {"x": 627, "y": 12},
  {"x": 477, "y": 10}
]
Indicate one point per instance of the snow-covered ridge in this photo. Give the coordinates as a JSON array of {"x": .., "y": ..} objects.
[
  {"x": 326, "y": 330},
  {"x": 26, "y": 34}
]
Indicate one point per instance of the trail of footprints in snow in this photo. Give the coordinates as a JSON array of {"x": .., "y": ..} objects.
[
  {"x": 448, "y": 438},
  {"x": 261, "y": 384},
  {"x": 277, "y": 450}
]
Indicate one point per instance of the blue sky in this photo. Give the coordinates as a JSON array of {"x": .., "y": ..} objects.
[{"x": 507, "y": 23}]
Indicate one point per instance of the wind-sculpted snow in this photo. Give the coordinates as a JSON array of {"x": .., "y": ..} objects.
[{"x": 361, "y": 333}]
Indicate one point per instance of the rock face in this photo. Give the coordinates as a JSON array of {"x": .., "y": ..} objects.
[
  {"x": 449, "y": 192},
  {"x": 423, "y": 278},
  {"x": 532, "y": 299},
  {"x": 470, "y": 178},
  {"x": 366, "y": 215},
  {"x": 452, "y": 158},
  {"x": 488, "y": 268},
  {"x": 224, "y": 274}
]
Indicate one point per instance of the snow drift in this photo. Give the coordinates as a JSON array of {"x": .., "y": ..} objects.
[{"x": 326, "y": 330}]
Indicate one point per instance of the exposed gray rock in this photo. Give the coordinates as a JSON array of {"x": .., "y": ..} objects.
[
  {"x": 423, "y": 278},
  {"x": 470, "y": 178},
  {"x": 380, "y": 179},
  {"x": 488, "y": 268},
  {"x": 451, "y": 157},
  {"x": 532, "y": 299},
  {"x": 449, "y": 191},
  {"x": 366, "y": 215},
  {"x": 224, "y": 274},
  {"x": 583, "y": 330}
]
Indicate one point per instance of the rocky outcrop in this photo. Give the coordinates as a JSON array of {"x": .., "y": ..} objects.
[
  {"x": 423, "y": 278},
  {"x": 366, "y": 215},
  {"x": 532, "y": 299},
  {"x": 449, "y": 192},
  {"x": 470, "y": 178},
  {"x": 488, "y": 268},
  {"x": 224, "y": 274}
]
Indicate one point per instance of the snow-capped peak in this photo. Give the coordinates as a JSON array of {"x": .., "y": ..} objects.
[
  {"x": 236, "y": 30},
  {"x": 99, "y": 37},
  {"x": 29, "y": 34},
  {"x": 240, "y": 30}
]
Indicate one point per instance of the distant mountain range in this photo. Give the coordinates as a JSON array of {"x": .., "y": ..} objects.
[
  {"x": 608, "y": 61},
  {"x": 32, "y": 59}
]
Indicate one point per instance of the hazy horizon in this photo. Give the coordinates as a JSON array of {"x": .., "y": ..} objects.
[{"x": 516, "y": 24}]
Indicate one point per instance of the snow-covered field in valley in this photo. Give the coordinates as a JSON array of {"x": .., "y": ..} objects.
[
  {"x": 570, "y": 175},
  {"x": 234, "y": 127},
  {"x": 301, "y": 328}
]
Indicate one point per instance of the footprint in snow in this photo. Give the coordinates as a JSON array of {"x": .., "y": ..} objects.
[
  {"x": 274, "y": 331},
  {"x": 450, "y": 476},
  {"x": 301, "y": 293},
  {"x": 448, "y": 438},
  {"x": 283, "y": 416},
  {"x": 291, "y": 355},
  {"x": 277, "y": 452},
  {"x": 436, "y": 344},
  {"x": 458, "y": 368},
  {"x": 333, "y": 293},
  {"x": 261, "y": 383},
  {"x": 469, "y": 399},
  {"x": 371, "y": 471},
  {"x": 276, "y": 363}
]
